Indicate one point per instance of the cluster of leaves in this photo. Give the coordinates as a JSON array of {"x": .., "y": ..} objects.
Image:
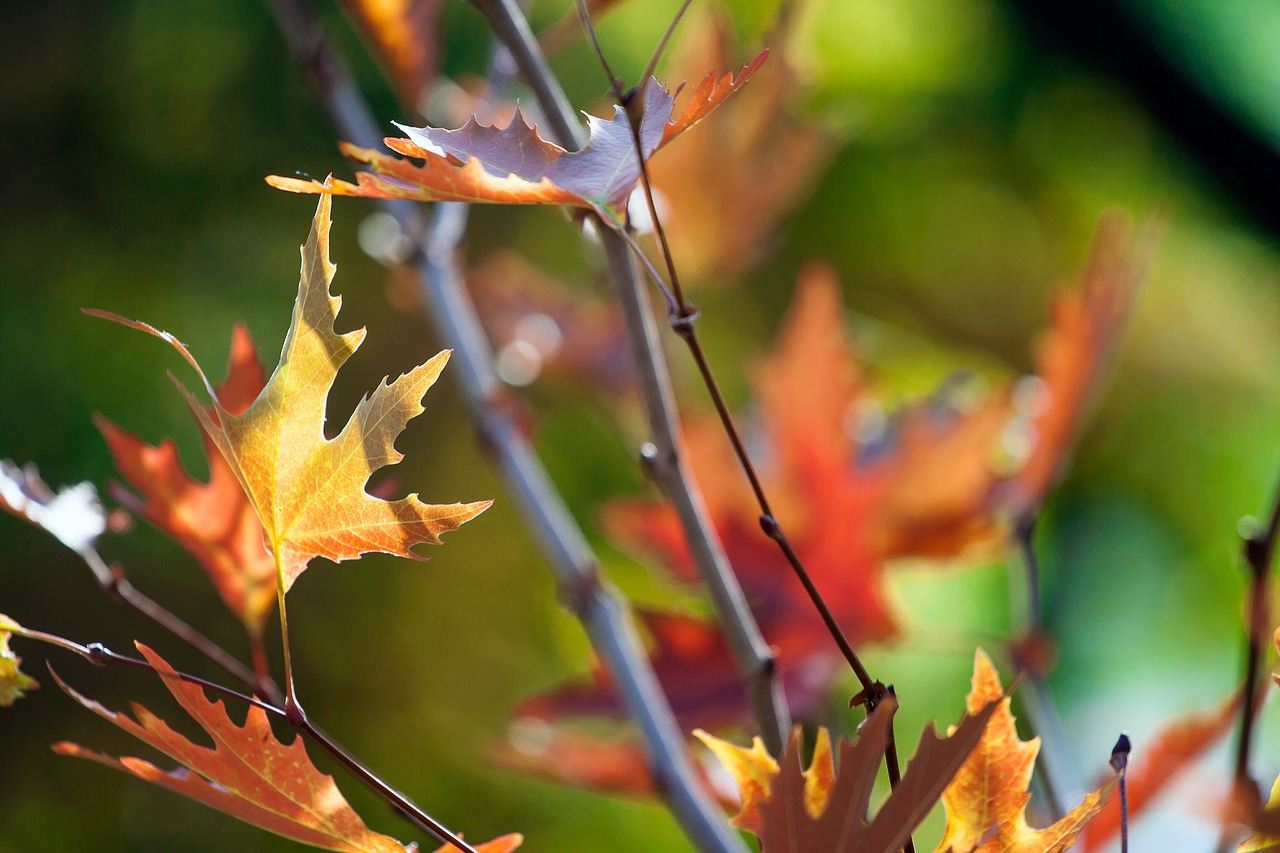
[{"x": 943, "y": 478}]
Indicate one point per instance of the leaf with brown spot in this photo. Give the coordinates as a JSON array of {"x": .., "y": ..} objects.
[
  {"x": 516, "y": 165},
  {"x": 308, "y": 490},
  {"x": 986, "y": 802},
  {"x": 214, "y": 521}
]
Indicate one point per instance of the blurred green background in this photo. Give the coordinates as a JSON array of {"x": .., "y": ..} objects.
[{"x": 979, "y": 146}]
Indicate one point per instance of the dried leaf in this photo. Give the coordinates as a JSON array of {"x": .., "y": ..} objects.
[
  {"x": 515, "y": 165},
  {"x": 308, "y": 491},
  {"x": 248, "y": 773},
  {"x": 403, "y": 34},
  {"x": 13, "y": 681},
  {"x": 73, "y": 515},
  {"x": 794, "y": 810},
  {"x": 213, "y": 522},
  {"x": 986, "y": 802}
]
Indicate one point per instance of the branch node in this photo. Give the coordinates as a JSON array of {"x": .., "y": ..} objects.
[
  {"x": 682, "y": 321},
  {"x": 770, "y": 526},
  {"x": 99, "y": 655},
  {"x": 577, "y": 596},
  {"x": 293, "y": 713}
]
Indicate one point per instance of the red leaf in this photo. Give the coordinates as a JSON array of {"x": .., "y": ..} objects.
[{"x": 214, "y": 522}]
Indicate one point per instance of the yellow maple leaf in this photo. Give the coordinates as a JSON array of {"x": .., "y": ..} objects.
[
  {"x": 986, "y": 802},
  {"x": 308, "y": 490}
]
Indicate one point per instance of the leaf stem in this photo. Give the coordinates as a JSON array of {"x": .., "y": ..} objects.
[
  {"x": 1259, "y": 549},
  {"x": 1120, "y": 763},
  {"x": 115, "y": 582},
  {"x": 600, "y": 609},
  {"x": 682, "y": 320},
  {"x": 1055, "y": 773}
]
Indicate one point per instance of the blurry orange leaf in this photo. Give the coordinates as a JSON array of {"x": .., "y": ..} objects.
[
  {"x": 794, "y": 810},
  {"x": 73, "y": 515},
  {"x": 727, "y": 186},
  {"x": 986, "y": 802},
  {"x": 248, "y": 773},
  {"x": 1170, "y": 752},
  {"x": 214, "y": 522},
  {"x": 308, "y": 490},
  {"x": 515, "y": 165},
  {"x": 1073, "y": 358},
  {"x": 403, "y": 34},
  {"x": 13, "y": 681}
]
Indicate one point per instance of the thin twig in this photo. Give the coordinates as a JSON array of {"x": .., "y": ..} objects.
[
  {"x": 115, "y": 582},
  {"x": 100, "y": 655},
  {"x": 1259, "y": 552},
  {"x": 602, "y": 612},
  {"x": 666, "y": 466},
  {"x": 1056, "y": 774},
  {"x": 1120, "y": 764},
  {"x": 683, "y": 318}
]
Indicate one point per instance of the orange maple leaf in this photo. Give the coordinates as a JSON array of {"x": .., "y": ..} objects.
[
  {"x": 308, "y": 491},
  {"x": 213, "y": 522},
  {"x": 515, "y": 165},
  {"x": 248, "y": 773},
  {"x": 794, "y": 810},
  {"x": 986, "y": 802}
]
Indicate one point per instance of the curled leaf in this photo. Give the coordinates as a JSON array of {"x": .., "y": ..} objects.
[{"x": 516, "y": 165}]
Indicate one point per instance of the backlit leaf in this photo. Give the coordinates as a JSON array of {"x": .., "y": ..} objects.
[
  {"x": 986, "y": 802},
  {"x": 797, "y": 810},
  {"x": 214, "y": 521},
  {"x": 516, "y": 165},
  {"x": 308, "y": 490},
  {"x": 248, "y": 773}
]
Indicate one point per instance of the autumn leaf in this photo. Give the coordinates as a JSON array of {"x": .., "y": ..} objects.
[
  {"x": 794, "y": 810},
  {"x": 938, "y": 482},
  {"x": 13, "y": 681},
  {"x": 403, "y": 35},
  {"x": 213, "y": 522},
  {"x": 247, "y": 773},
  {"x": 723, "y": 190},
  {"x": 73, "y": 515},
  {"x": 307, "y": 490},
  {"x": 515, "y": 165},
  {"x": 986, "y": 802},
  {"x": 1164, "y": 757}
]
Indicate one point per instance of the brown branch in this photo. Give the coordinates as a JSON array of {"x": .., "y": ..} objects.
[{"x": 602, "y": 612}]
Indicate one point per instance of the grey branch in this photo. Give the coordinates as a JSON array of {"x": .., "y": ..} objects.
[{"x": 603, "y": 613}]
